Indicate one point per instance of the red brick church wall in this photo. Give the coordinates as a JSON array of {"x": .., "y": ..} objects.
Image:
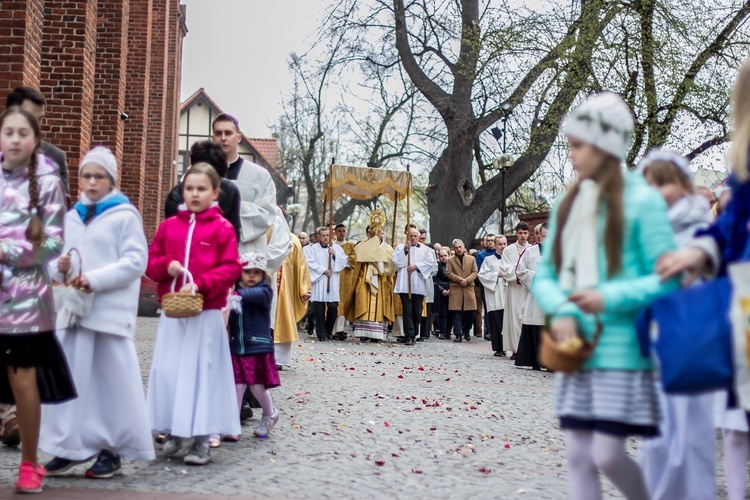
[{"x": 94, "y": 60}]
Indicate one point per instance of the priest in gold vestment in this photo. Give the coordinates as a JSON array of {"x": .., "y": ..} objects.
[
  {"x": 369, "y": 304},
  {"x": 345, "y": 279},
  {"x": 294, "y": 292}
]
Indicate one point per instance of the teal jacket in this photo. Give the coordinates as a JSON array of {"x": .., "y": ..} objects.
[{"x": 648, "y": 235}]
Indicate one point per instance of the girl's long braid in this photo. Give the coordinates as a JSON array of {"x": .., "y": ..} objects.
[{"x": 35, "y": 229}]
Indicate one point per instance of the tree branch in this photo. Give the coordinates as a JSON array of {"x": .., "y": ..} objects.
[
  {"x": 699, "y": 62},
  {"x": 436, "y": 95},
  {"x": 707, "y": 145}
]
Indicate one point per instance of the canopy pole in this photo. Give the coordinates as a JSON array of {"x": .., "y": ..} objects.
[
  {"x": 330, "y": 220},
  {"x": 408, "y": 223},
  {"x": 395, "y": 218}
]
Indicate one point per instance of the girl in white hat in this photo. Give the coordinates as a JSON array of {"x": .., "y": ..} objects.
[
  {"x": 607, "y": 233},
  {"x": 250, "y": 339},
  {"x": 108, "y": 421},
  {"x": 681, "y": 462}
]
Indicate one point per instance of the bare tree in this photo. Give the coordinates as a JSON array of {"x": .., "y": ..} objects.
[
  {"x": 473, "y": 59},
  {"x": 378, "y": 129}
]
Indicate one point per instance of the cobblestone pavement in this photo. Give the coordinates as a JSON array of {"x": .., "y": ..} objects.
[{"x": 362, "y": 420}]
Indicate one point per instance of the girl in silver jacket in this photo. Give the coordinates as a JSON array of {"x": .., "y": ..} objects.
[{"x": 33, "y": 369}]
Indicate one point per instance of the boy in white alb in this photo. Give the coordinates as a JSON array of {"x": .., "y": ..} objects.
[
  {"x": 326, "y": 263},
  {"x": 491, "y": 276},
  {"x": 415, "y": 263},
  {"x": 515, "y": 298}
]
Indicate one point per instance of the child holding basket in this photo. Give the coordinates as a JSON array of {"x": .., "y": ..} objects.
[{"x": 191, "y": 385}]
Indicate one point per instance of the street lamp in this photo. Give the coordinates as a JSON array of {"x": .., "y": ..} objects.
[{"x": 505, "y": 161}]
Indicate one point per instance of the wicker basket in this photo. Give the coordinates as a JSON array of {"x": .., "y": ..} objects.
[
  {"x": 554, "y": 358},
  {"x": 182, "y": 304}
]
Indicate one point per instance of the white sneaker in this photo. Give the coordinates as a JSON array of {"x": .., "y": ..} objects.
[
  {"x": 266, "y": 424},
  {"x": 199, "y": 454},
  {"x": 172, "y": 444}
]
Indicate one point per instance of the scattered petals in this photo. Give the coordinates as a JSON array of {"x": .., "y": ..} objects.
[{"x": 380, "y": 463}]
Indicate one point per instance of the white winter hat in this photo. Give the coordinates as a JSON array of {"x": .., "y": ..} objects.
[
  {"x": 604, "y": 121},
  {"x": 103, "y": 157},
  {"x": 254, "y": 260},
  {"x": 659, "y": 154}
]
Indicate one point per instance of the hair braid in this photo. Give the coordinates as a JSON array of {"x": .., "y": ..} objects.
[{"x": 35, "y": 229}]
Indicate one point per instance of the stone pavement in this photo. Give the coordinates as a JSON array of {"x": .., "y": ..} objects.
[{"x": 362, "y": 420}]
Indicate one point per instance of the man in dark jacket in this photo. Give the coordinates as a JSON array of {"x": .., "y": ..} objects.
[
  {"x": 442, "y": 287},
  {"x": 34, "y": 102}
]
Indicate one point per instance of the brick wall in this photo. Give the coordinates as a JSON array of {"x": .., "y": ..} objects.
[
  {"x": 177, "y": 32},
  {"x": 110, "y": 78},
  {"x": 20, "y": 44},
  {"x": 156, "y": 119},
  {"x": 136, "y": 103},
  {"x": 67, "y": 78},
  {"x": 92, "y": 59}
]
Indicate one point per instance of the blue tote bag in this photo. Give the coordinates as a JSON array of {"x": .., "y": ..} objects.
[{"x": 693, "y": 340}]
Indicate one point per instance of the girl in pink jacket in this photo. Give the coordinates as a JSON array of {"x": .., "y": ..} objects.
[{"x": 191, "y": 385}]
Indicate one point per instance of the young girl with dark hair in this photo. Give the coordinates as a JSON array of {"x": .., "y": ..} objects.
[
  {"x": 33, "y": 369},
  {"x": 606, "y": 235}
]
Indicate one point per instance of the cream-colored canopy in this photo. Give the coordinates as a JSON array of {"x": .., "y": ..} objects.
[{"x": 362, "y": 183}]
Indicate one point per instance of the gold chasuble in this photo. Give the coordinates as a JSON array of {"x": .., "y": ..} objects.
[
  {"x": 294, "y": 283},
  {"x": 371, "y": 295},
  {"x": 347, "y": 275}
]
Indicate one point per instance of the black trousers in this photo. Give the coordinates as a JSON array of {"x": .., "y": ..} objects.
[
  {"x": 424, "y": 323},
  {"x": 495, "y": 324},
  {"x": 325, "y": 318},
  {"x": 310, "y": 319},
  {"x": 462, "y": 322},
  {"x": 412, "y": 313},
  {"x": 442, "y": 313}
]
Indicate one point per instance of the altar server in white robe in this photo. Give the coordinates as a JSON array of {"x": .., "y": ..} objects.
[
  {"x": 108, "y": 421},
  {"x": 515, "y": 299},
  {"x": 416, "y": 263},
  {"x": 491, "y": 276},
  {"x": 257, "y": 190},
  {"x": 533, "y": 316},
  {"x": 325, "y": 298},
  {"x": 279, "y": 244}
]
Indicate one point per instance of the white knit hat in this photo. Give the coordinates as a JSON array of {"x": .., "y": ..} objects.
[
  {"x": 659, "y": 154},
  {"x": 604, "y": 121},
  {"x": 254, "y": 260},
  {"x": 103, "y": 157}
]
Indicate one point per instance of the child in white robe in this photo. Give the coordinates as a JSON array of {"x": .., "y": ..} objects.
[
  {"x": 681, "y": 462},
  {"x": 108, "y": 420}
]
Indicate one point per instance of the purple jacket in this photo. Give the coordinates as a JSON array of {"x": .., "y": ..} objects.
[{"x": 26, "y": 301}]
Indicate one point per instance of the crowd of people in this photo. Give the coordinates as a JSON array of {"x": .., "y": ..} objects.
[
  {"x": 69, "y": 286},
  {"x": 419, "y": 290}
]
